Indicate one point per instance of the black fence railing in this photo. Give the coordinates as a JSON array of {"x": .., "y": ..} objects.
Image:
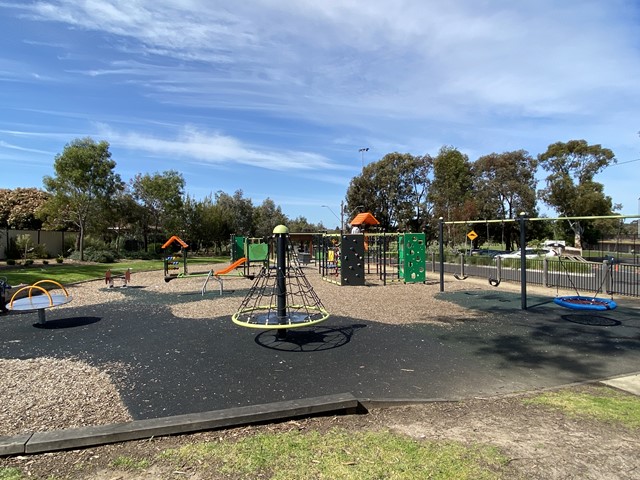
[{"x": 583, "y": 277}]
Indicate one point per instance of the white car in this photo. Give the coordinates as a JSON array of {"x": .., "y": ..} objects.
[{"x": 529, "y": 253}]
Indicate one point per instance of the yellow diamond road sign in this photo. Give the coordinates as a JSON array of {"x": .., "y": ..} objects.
[{"x": 472, "y": 235}]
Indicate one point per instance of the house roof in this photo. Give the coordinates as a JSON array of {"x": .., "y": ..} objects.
[
  {"x": 175, "y": 239},
  {"x": 364, "y": 219}
]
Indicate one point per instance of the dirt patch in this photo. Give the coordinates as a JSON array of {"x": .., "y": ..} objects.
[{"x": 540, "y": 443}]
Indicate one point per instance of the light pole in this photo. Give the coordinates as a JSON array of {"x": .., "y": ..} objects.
[
  {"x": 350, "y": 214},
  {"x": 362, "y": 150},
  {"x": 334, "y": 214}
]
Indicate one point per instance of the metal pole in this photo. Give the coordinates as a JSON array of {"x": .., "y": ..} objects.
[
  {"x": 362, "y": 150},
  {"x": 523, "y": 262},
  {"x": 281, "y": 277},
  {"x": 440, "y": 241}
]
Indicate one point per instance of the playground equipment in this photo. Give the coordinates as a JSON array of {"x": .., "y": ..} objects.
[
  {"x": 581, "y": 302},
  {"x": 172, "y": 263},
  {"x": 220, "y": 273},
  {"x": 281, "y": 297},
  {"x": 576, "y": 302},
  {"x": 347, "y": 259},
  {"x": 342, "y": 259},
  {"x": 255, "y": 252},
  {"x": 4, "y": 286},
  {"x": 110, "y": 277},
  {"x": 39, "y": 302}
]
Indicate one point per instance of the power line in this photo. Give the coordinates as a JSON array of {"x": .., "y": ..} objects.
[{"x": 622, "y": 163}]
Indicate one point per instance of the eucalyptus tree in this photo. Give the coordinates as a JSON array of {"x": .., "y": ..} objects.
[
  {"x": 161, "y": 195},
  {"x": 236, "y": 211},
  {"x": 451, "y": 191},
  {"x": 505, "y": 185},
  {"x": 266, "y": 217},
  {"x": 393, "y": 189},
  {"x": 83, "y": 185},
  {"x": 570, "y": 186}
]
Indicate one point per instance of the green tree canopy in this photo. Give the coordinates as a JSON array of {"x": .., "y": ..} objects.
[
  {"x": 505, "y": 185},
  {"x": 266, "y": 217},
  {"x": 393, "y": 189},
  {"x": 237, "y": 212},
  {"x": 161, "y": 196},
  {"x": 570, "y": 186},
  {"x": 83, "y": 184}
]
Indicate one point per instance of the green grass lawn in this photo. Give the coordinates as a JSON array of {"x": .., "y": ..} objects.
[{"x": 66, "y": 273}]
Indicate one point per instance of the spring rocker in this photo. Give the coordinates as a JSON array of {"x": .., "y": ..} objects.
[
  {"x": 40, "y": 302},
  {"x": 281, "y": 297}
]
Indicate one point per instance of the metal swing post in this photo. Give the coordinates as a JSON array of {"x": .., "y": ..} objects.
[{"x": 523, "y": 261}]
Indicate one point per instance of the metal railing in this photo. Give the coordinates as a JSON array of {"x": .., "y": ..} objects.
[{"x": 583, "y": 277}]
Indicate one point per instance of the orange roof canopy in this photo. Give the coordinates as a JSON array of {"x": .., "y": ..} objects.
[
  {"x": 175, "y": 239},
  {"x": 364, "y": 219}
]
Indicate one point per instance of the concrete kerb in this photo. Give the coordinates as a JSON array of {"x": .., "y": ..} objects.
[{"x": 42, "y": 442}]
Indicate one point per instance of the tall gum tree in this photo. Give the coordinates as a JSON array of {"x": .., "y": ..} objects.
[
  {"x": 161, "y": 195},
  {"x": 451, "y": 191},
  {"x": 83, "y": 184},
  {"x": 393, "y": 189},
  {"x": 570, "y": 186},
  {"x": 505, "y": 185}
]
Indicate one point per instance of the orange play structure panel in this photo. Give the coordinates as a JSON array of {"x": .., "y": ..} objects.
[{"x": 364, "y": 219}]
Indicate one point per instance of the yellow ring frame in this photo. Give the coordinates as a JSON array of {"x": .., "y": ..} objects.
[{"x": 262, "y": 326}]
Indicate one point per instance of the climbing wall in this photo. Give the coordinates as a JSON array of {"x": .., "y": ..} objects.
[
  {"x": 412, "y": 256},
  {"x": 352, "y": 260}
]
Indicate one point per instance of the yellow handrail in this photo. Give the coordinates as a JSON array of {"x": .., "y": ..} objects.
[
  {"x": 66, "y": 294},
  {"x": 31, "y": 287}
]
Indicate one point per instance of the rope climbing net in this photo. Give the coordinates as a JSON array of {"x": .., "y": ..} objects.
[{"x": 262, "y": 306}]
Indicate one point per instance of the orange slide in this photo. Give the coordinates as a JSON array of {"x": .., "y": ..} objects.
[{"x": 233, "y": 266}]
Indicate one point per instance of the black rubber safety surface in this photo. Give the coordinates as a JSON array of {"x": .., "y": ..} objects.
[{"x": 175, "y": 365}]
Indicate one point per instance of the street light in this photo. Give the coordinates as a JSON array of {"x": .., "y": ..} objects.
[
  {"x": 352, "y": 211},
  {"x": 334, "y": 214},
  {"x": 362, "y": 150}
]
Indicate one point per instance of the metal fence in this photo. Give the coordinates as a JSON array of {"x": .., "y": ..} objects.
[
  {"x": 53, "y": 241},
  {"x": 583, "y": 277}
]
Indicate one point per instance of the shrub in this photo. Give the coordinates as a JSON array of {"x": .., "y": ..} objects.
[
  {"x": 11, "y": 261},
  {"x": 24, "y": 243},
  {"x": 59, "y": 259},
  {"x": 45, "y": 262},
  {"x": 92, "y": 254},
  {"x": 39, "y": 251},
  {"x": 28, "y": 261}
]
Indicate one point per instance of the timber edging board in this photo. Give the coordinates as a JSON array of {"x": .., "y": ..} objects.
[{"x": 41, "y": 442}]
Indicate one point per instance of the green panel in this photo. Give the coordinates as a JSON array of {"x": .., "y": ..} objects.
[
  {"x": 258, "y": 252},
  {"x": 237, "y": 247},
  {"x": 413, "y": 255}
]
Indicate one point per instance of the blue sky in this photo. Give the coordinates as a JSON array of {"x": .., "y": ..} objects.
[{"x": 277, "y": 97}]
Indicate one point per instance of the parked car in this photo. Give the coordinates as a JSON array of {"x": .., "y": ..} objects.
[
  {"x": 487, "y": 252},
  {"x": 529, "y": 253}
]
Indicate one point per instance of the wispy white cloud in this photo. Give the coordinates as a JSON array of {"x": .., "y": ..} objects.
[
  {"x": 10, "y": 146},
  {"x": 331, "y": 76},
  {"x": 216, "y": 148},
  {"x": 418, "y": 58}
]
